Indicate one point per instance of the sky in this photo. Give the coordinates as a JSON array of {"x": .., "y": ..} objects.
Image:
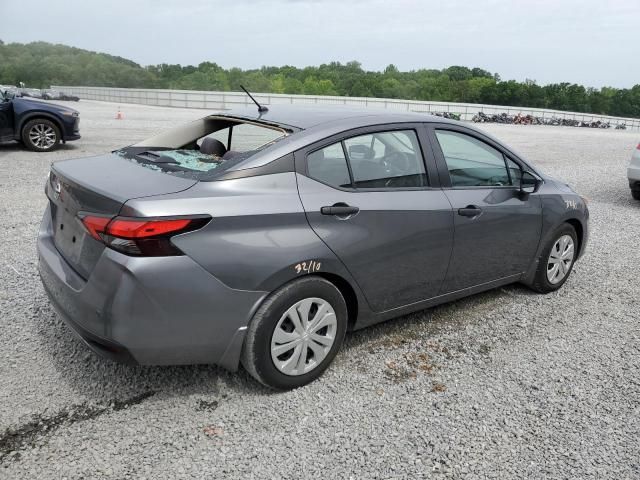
[{"x": 591, "y": 42}]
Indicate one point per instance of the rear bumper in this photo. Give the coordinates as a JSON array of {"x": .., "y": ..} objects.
[{"x": 150, "y": 311}]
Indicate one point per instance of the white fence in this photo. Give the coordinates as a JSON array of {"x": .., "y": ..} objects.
[{"x": 227, "y": 100}]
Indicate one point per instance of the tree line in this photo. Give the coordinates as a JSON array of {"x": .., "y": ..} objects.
[{"x": 41, "y": 64}]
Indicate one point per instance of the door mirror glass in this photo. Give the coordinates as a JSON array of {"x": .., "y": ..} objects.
[{"x": 529, "y": 183}]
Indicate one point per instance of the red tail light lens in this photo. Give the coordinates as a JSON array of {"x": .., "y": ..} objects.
[
  {"x": 150, "y": 237},
  {"x": 131, "y": 228},
  {"x": 96, "y": 225},
  {"x": 638, "y": 147}
]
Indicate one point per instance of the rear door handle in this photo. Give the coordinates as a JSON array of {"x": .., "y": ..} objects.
[
  {"x": 339, "y": 210},
  {"x": 470, "y": 211}
]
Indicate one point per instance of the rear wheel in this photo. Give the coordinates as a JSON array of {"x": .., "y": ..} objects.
[
  {"x": 557, "y": 259},
  {"x": 635, "y": 194},
  {"x": 295, "y": 334},
  {"x": 41, "y": 135}
]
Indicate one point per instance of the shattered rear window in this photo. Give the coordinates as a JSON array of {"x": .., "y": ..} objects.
[
  {"x": 178, "y": 151},
  {"x": 191, "y": 159}
]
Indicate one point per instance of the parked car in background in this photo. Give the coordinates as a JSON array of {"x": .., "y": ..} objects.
[
  {"x": 11, "y": 89},
  {"x": 50, "y": 94},
  {"x": 31, "y": 92},
  {"x": 39, "y": 125},
  {"x": 633, "y": 173},
  {"x": 261, "y": 238}
]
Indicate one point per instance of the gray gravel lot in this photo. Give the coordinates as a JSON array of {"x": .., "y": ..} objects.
[{"x": 506, "y": 384}]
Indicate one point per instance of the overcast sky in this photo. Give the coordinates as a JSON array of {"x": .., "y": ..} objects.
[{"x": 592, "y": 42}]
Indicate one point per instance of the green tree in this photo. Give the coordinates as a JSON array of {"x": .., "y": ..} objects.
[{"x": 41, "y": 64}]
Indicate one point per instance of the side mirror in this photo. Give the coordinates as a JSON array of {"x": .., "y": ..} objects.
[{"x": 529, "y": 183}]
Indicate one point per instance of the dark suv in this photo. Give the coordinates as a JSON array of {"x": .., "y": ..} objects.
[{"x": 38, "y": 125}]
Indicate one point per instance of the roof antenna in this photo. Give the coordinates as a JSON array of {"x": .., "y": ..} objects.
[{"x": 261, "y": 108}]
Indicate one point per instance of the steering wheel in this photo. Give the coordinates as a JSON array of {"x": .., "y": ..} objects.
[
  {"x": 396, "y": 163},
  {"x": 495, "y": 181}
]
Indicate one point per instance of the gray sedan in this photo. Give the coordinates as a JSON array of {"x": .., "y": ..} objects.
[{"x": 260, "y": 237}]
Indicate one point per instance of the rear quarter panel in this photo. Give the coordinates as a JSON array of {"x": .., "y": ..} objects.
[{"x": 258, "y": 238}]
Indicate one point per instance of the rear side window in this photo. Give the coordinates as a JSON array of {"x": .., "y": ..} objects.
[
  {"x": 471, "y": 162},
  {"x": 329, "y": 166},
  {"x": 378, "y": 160}
]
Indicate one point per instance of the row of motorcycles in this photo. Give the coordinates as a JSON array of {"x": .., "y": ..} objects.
[
  {"x": 520, "y": 119},
  {"x": 449, "y": 115}
]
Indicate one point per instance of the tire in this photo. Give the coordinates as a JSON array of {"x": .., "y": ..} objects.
[
  {"x": 273, "y": 320},
  {"x": 635, "y": 194},
  {"x": 41, "y": 135},
  {"x": 542, "y": 283}
]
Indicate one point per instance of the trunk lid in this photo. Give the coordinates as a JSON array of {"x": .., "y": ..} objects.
[{"x": 97, "y": 185}]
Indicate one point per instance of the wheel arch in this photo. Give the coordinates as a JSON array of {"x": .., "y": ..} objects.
[
  {"x": 581, "y": 233},
  {"x": 579, "y": 228},
  {"x": 347, "y": 292},
  {"x": 39, "y": 115}
]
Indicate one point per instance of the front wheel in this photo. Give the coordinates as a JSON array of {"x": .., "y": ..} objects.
[
  {"x": 41, "y": 135},
  {"x": 557, "y": 259},
  {"x": 635, "y": 194},
  {"x": 296, "y": 333}
]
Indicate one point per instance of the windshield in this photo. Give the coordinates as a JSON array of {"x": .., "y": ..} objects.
[{"x": 201, "y": 148}]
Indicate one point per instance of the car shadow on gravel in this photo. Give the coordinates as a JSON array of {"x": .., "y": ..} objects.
[
  {"x": 10, "y": 147},
  {"x": 101, "y": 380},
  {"x": 16, "y": 147},
  {"x": 434, "y": 320}
]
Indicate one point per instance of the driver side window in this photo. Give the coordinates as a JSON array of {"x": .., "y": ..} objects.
[{"x": 471, "y": 162}]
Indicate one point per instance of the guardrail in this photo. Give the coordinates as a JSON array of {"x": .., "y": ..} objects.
[{"x": 227, "y": 100}]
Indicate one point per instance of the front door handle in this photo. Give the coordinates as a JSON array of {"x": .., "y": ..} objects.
[
  {"x": 470, "y": 211},
  {"x": 340, "y": 210}
]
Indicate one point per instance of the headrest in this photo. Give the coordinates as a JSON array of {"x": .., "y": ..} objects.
[
  {"x": 361, "y": 152},
  {"x": 211, "y": 146}
]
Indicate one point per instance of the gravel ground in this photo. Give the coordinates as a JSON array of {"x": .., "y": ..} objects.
[{"x": 506, "y": 384}]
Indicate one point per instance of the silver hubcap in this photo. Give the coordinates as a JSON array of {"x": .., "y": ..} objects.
[
  {"x": 560, "y": 259},
  {"x": 42, "y": 136},
  {"x": 304, "y": 336}
]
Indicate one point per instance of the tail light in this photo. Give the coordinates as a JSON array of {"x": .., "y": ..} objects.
[
  {"x": 638, "y": 147},
  {"x": 148, "y": 237}
]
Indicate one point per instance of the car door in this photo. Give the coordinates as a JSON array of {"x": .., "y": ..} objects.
[
  {"x": 497, "y": 229},
  {"x": 6, "y": 119},
  {"x": 369, "y": 197}
]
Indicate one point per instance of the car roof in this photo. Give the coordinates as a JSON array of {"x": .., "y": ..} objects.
[
  {"x": 303, "y": 117},
  {"x": 312, "y": 123}
]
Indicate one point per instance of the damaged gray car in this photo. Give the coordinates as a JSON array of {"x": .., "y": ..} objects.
[{"x": 260, "y": 238}]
